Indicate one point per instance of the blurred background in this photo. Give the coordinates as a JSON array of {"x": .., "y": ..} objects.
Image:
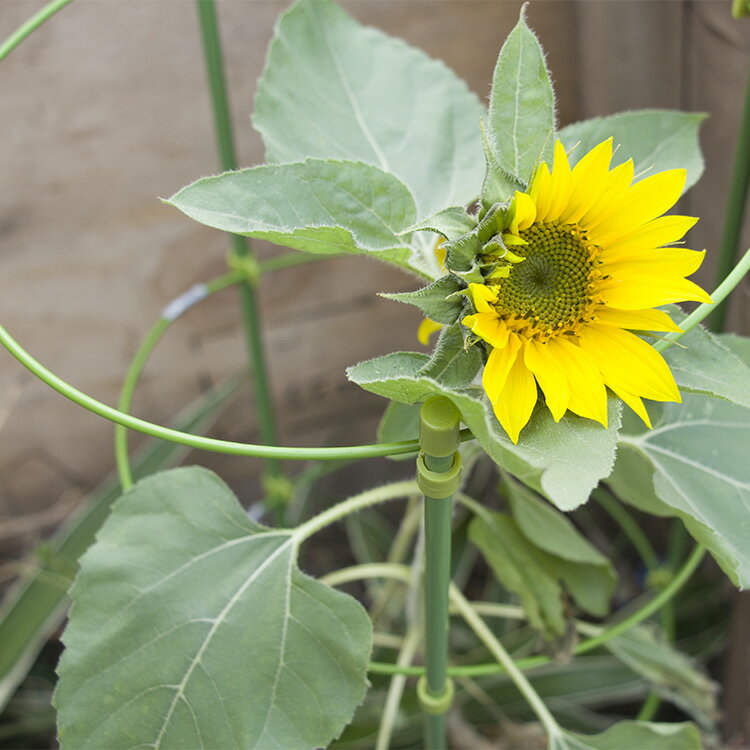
[{"x": 105, "y": 109}]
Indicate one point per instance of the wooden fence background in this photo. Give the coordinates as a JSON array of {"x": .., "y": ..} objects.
[{"x": 105, "y": 108}]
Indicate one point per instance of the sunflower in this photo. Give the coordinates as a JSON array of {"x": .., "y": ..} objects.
[
  {"x": 588, "y": 266},
  {"x": 427, "y": 327}
]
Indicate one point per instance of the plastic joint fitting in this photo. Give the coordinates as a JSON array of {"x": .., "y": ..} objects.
[
  {"x": 439, "y": 438},
  {"x": 435, "y": 704},
  {"x": 439, "y": 484}
]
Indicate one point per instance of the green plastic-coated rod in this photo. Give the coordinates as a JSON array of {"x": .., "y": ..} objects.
[
  {"x": 439, "y": 439},
  {"x": 122, "y": 460},
  {"x": 231, "y": 448},
  {"x": 171, "y": 312},
  {"x": 735, "y": 210},
  {"x": 240, "y": 245},
  {"x": 30, "y": 26}
]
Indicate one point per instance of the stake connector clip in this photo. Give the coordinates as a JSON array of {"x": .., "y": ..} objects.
[
  {"x": 435, "y": 704},
  {"x": 247, "y": 265},
  {"x": 439, "y": 484},
  {"x": 438, "y": 427},
  {"x": 439, "y": 439}
]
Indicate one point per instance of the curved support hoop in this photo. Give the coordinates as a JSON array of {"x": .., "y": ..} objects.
[{"x": 196, "y": 441}]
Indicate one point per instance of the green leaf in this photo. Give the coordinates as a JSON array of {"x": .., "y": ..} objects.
[
  {"x": 335, "y": 88},
  {"x": 643, "y": 735},
  {"x": 698, "y": 457},
  {"x": 193, "y": 627},
  {"x": 548, "y": 529},
  {"x": 585, "y": 571},
  {"x": 394, "y": 376},
  {"x": 632, "y": 478},
  {"x": 35, "y": 607},
  {"x": 462, "y": 253},
  {"x": 563, "y": 460},
  {"x": 672, "y": 674},
  {"x": 701, "y": 363},
  {"x": 521, "y": 121},
  {"x": 656, "y": 139},
  {"x": 318, "y": 206},
  {"x": 498, "y": 186},
  {"x": 452, "y": 365},
  {"x": 399, "y": 422},
  {"x": 739, "y": 345},
  {"x": 435, "y": 300},
  {"x": 451, "y": 223},
  {"x": 521, "y": 568}
]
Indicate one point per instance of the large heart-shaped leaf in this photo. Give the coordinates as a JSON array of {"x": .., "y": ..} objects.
[
  {"x": 656, "y": 139},
  {"x": 318, "y": 206},
  {"x": 697, "y": 453},
  {"x": 335, "y": 88},
  {"x": 192, "y": 627}
]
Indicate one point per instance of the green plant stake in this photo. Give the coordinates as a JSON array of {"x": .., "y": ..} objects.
[
  {"x": 241, "y": 255},
  {"x": 438, "y": 476}
]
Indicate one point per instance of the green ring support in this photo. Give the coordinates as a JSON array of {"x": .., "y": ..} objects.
[
  {"x": 435, "y": 705},
  {"x": 439, "y": 485},
  {"x": 438, "y": 477}
]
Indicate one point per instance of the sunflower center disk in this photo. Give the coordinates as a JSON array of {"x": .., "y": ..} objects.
[{"x": 552, "y": 290}]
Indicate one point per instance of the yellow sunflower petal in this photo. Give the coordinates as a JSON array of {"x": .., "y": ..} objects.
[
  {"x": 517, "y": 400},
  {"x": 588, "y": 396},
  {"x": 524, "y": 212},
  {"x": 481, "y": 295},
  {"x": 636, "y": 320},
  {"x": 670, "y": 261},
  {"x": 641, "y": 203},
  {"x": 441, "y": 253},
  {"x": 541, "y": 191},
  {"x": 498, "y": 366},
  {"x": 426, "y": 328},
  {"x": 618, "y": 183},
  {"x": 638, "y": 290},
  {"x": 550, "y": 376},
  {"x": 628, "y": 363},
  {"x": 489, "y": 327},
  {"x": 588, "y": 179},
  {"x": 635, "y": 403},
  {"x": 662, "y": 231},
  {"x": 559, "y": 190}
]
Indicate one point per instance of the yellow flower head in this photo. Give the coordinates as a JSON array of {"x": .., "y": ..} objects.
[{"x": 588, "y": 266}]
